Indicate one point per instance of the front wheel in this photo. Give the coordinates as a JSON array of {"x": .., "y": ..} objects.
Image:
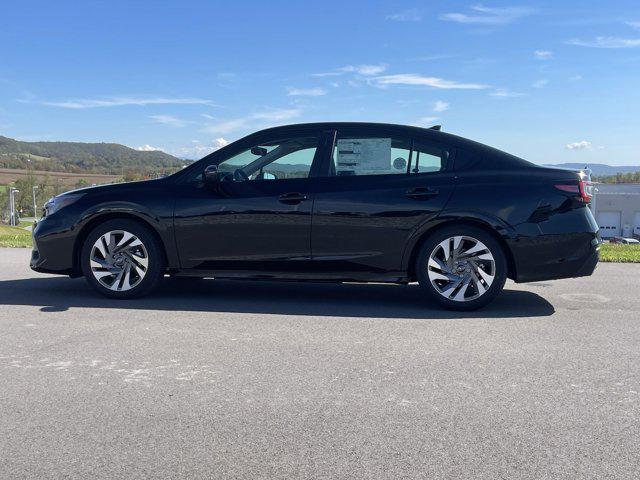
[
  {"x": 461, "y": 268},
  {"x": 122, "y": 259}
]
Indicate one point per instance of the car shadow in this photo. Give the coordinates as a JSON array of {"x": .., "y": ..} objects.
[{"x": 55, "y": 294}]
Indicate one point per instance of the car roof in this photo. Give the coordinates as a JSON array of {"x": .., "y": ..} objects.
[{"x": 409, "y": 129}]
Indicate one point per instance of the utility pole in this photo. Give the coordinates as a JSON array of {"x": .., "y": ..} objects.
[
  {"x": 35, "y": 211},
  {"x": 12, "y": 205}
]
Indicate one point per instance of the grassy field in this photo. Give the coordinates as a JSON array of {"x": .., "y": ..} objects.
[
  {"x": 67, "y": 180},
  {"x": 14, "y": 237},
  {"x": 619, "y": 253}
]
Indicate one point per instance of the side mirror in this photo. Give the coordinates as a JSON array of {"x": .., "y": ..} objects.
[{"x": 211, "y": 176}]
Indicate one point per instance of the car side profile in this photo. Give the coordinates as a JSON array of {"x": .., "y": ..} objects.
[{"x": 331, "y": 202}]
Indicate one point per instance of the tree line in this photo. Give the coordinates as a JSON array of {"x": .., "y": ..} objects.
[{"x": 618, "y": 178}]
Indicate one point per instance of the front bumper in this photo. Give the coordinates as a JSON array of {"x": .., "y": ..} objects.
[{"x": 53, "y": 247}]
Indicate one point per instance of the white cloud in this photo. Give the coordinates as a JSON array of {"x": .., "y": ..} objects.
[
  {"x": 575, "y": 78},
  {"x": 440, "y": 106},
  {"x": 218, "y": 143},
  {"x": 306, "y": 92},
  {"x": 277, "y": 115},
  {"x": 327, "y": 74},
  {"x": 125, "y": 101},
  {"x": 488, "y": 16},
  {"x": 198, "y": 149},
  {"x": 540, "y": 83},
  {"x": 365, "y": 70},
  {"x": 259, "y": 119},
  {"x": 227, "y": 126},
  {"x": 633, "y": 24},
  {"x": 148, "y": 148},
  {"x": 504, "y": 93},
  {"x": 412, "y": 15},
  {"x": 543, "y": 54},
  {"x": 582, "y": 145},
  {"x": 426, "y": 121},
  {"x": 434, "y": 82},
  {"x": 606, "y": 42},
  {"x": 169, "y": 120}
]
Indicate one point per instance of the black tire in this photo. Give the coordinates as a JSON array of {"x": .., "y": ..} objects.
[
  {"x": 155, "y": 259},
  {"x": 494, "y": 247}
]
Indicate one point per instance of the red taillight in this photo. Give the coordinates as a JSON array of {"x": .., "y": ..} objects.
[
  {"x": 583, "y": 189},
  {"x": 568, "y": 188},
  {"x": 586, "y": 190}
]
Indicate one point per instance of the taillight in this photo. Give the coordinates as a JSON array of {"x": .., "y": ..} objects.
[
  {"x": 583, "y": 190},
  {"x": 586, "y": 190}
]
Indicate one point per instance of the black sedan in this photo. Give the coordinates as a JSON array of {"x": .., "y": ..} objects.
[{"x": 331, "y": 202}]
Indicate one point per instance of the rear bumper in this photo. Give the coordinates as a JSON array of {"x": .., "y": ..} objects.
[
  {"x": 566, "y": 254},
  {"x": 559, "y": 258}
]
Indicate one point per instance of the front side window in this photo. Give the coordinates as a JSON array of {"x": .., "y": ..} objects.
[
  {"x": 273, "y": 160},
  {"x": 381, "y": 155}
]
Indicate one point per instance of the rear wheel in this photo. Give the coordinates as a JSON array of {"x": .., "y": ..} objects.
[
  {"x": 461, "y": 268},
  {"x": 122, "y": 259}
]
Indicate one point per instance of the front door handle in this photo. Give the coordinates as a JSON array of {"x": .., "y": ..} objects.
[
  {"x": 422, "y": 193},
  {"x": 292, "y": 198}
]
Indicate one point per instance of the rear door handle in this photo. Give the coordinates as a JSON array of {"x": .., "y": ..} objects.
[
  {"x": 292, "y": 198},
  {"x": 422, "y": 193}
]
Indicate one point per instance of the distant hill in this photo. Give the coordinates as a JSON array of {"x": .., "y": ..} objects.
[
  {"x": 76, "y": 157},
  {"x": 598, "y": 169}
]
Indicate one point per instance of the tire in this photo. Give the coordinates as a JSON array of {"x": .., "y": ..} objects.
[
  {"x": 119, "y": 246},
  {"x": 474, "y": 281}
]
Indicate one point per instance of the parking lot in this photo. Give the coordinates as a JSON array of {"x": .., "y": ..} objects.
[{"x": 282, "y": 380}]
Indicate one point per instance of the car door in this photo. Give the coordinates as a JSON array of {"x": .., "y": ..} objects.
[
  {"x": 379, "y": 188},
  {"x": 259, "y": 219}
]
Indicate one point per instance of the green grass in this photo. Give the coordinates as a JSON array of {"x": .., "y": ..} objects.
[
  {"x": 14, "y": 237},
  {"x": 619, "y": 253}
]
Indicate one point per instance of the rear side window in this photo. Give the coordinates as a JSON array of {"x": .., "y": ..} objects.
[
  {"x": 355, "y": 155},
  {"x": 428, "y": 157}
]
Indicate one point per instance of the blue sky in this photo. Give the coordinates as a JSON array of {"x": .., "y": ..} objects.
[{"x": 551, "y": 81}]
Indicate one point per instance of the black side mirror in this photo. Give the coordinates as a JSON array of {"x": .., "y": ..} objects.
[{"x": 211, "y": 176}]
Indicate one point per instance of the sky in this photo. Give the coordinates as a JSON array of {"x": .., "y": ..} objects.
[{"x": 550, "y": 81}]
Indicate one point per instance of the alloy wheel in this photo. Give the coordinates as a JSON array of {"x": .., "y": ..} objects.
[
  {"x": 461, "y": 268},
  {"x": 119, "y": 260}
]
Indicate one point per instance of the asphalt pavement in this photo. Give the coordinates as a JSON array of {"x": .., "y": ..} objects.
[{"x": 222, "y": 379}]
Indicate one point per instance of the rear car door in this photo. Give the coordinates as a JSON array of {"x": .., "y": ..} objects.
[
  {"x": 378, "y": 188},
  {"x": 260, "y": 220}
]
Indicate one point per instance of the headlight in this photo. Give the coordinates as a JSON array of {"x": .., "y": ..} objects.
[{"x": 56, "y": 203}]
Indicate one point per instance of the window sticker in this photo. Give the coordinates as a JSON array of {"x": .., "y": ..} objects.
[{"x": 357, "y": 156}]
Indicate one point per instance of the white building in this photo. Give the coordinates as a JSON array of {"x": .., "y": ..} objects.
[{"x": 616, "y": 208}]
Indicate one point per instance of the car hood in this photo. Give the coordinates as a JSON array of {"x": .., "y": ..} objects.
[{"x": 112, "y": 187}]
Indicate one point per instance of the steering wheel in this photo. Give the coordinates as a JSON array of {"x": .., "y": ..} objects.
[{"x": 240, "y": 176}]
